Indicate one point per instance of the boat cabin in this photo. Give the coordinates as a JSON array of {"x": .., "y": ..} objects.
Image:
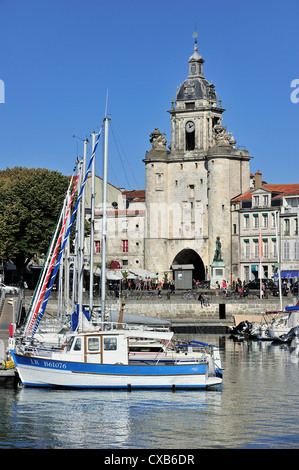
[{"x": 100, "y": 348}]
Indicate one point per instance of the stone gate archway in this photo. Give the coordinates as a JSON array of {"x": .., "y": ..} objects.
[{"x": 188, "y": 256}]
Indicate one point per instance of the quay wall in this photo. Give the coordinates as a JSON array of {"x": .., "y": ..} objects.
[
  {"x": 191, "y": 312},
  {"x": 178, "y": 310}
]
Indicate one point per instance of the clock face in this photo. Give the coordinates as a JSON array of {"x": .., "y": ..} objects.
[{"x": 190, "y": 126}]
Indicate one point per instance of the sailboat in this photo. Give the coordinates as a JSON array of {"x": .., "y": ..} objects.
[{"x": 99, "y": 356}]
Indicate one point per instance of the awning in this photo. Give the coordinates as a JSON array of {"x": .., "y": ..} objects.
[
  {"x": 112, "y": 276},
  {"x": 287, "y": 274},
  {"x": 142, "y": 273}
]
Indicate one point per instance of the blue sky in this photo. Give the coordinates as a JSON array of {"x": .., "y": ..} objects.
[{"x": 58, "y": 58}]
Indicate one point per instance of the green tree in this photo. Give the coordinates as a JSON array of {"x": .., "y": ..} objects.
[{"x": 30, "y": 203}]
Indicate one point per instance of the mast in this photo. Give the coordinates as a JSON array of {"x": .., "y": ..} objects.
[
  {"x": 81, "y": 235},
  {"x": 92, "y": 206},
  {"x": 278, "y": 259},
  {"x": 104, "y": 222}
]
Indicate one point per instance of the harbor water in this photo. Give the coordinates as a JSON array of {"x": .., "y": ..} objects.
[{"x": 257, "y": 408}]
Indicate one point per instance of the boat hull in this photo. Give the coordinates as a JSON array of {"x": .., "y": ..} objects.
[{"x": 35, "y": 371}]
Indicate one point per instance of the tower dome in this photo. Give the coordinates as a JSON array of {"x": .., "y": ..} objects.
[{"x": 196, "y": 87}]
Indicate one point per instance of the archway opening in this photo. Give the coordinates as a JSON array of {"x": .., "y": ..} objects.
[{"x": 188, "y": 256}]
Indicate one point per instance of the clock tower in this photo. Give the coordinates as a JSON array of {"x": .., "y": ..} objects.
[
  {"x": 190, "y": 184},
  {"x": 196, "y": 112}
]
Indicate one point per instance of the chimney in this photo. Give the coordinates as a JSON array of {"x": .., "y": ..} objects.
[{"x": 258, "y": 180}]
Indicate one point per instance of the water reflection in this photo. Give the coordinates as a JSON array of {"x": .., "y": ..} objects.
[{"x": 256, "y": 408}]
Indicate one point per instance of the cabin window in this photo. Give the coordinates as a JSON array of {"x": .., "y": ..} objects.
[
  {"x": 69, "y": 344},
  {"x": 110, "y": 344},
  {"x": 77, "y": 345},
  {"x": 93, "y": 344}
]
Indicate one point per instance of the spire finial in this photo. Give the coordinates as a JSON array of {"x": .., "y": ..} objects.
[{"x": 195, "y": 35}]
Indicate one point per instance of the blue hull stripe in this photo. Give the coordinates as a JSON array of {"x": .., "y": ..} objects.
[{"x": 109, "y": 369}]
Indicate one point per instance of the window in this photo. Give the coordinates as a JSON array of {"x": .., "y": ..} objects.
[
  {"x": 266, "y": 200},
  {"x": 125, "y": 262},
  {"x": 296, "y": 250},
  {"x": 110, "y": 344},
  {"x": 77, "y": 346},
  {"x": 125, "y": 244},
  {"x": 190, "y": 105},
  {"x": 159, "y": 181},
  {"x": 190, "y": 136},
  {"x": 256, "y": 248},
  {"x": 296, "y": 226},
  {"x": 286, "y": 227},
  {"x": 286, "y": 250},
  {"x": 246, "y": 249},
  {"x": 256, "y": 220},
  {"x": 265, "y": 220},
  {"x": 256, "y": 201},
  {"x": 93, "y": 344},
  {"x": 246, "y": 221},
  {"x": 265, "y": 247},
  {"x": 97, "y": 246}
]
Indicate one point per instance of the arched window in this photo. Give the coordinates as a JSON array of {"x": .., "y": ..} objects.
[{"x": 190, "y": 135}]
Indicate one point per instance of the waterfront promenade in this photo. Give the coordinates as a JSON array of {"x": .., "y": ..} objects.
[
  {"x": 222, "y": 310},
  {"x": 179, "y": 311},
  {"x": 174, "y": 308}
]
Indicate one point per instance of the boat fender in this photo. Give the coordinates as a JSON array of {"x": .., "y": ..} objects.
[{"x": 118, "y": 364}]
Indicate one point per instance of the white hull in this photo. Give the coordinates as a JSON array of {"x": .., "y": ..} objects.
[
  {"x": 276, "y": 332},
  {"x": 39, "y": 372}
]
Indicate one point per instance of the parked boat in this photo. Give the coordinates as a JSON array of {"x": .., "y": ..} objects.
[
  {"x": 241, "y": 331},
  {"x": 99, "y": 356},
  {"x": 288, "y": 337},
  {"x": 282, "y": 322},
  {"x": 100, "y": 359}
]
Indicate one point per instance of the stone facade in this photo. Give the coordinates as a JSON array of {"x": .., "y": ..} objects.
[
  {"x": 199, "y": 188},
  {"x": 190, "y": 184},
  {"x": 269, "y": 212}
]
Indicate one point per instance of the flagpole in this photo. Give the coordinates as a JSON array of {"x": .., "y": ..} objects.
[
  {"x": 261, "y": 257},
  {"x": 278, "y": 258}
]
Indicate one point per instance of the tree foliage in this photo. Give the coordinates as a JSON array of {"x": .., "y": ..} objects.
[{"x": 30, "y": 203}]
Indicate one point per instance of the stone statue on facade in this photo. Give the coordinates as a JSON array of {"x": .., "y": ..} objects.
[
  {"x": 221, "y": 136},
  {"x": 158, "y": 140},
  {"x": 218, "y": 253}
]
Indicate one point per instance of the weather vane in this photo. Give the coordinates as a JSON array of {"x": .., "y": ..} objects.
[{"x": 195, "y": 35}]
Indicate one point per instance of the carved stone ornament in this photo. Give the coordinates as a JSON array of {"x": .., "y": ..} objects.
[
  {"x": 220, "y": 135},
  {"x": 158, "y": 140}
]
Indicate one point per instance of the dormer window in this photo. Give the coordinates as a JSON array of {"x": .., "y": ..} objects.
[
  {"x": 256, "y": 201},
  {"x": 266, "y": 200}
]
